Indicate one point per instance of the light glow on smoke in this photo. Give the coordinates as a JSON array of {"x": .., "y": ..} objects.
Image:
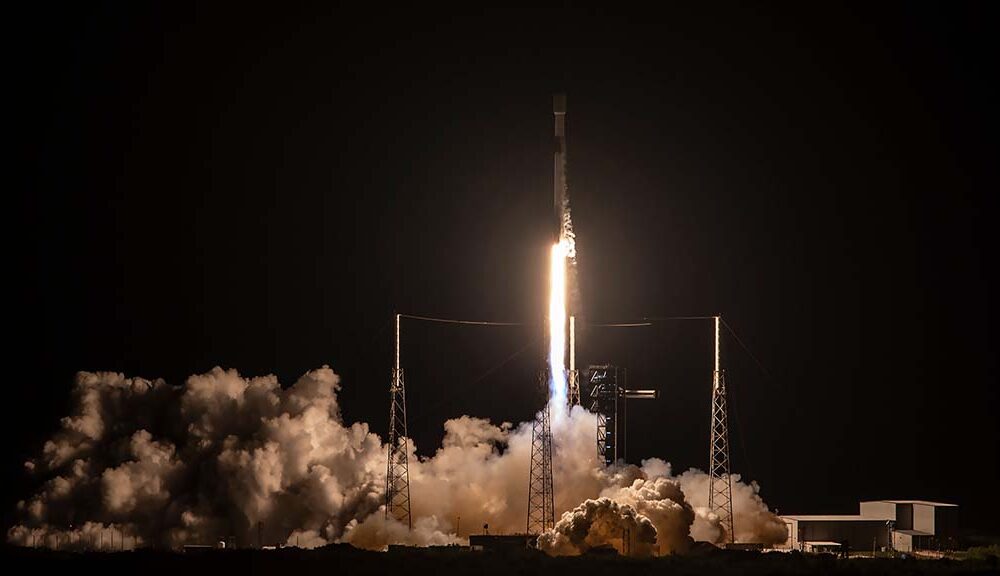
[
  {"x": 223, "y": 456},
  {"x": 557, "y": 327}
]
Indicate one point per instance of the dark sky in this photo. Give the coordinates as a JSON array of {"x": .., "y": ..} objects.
[{"x": 202, "y": 186}]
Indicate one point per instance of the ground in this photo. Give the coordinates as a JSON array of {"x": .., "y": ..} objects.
[{"x": 336, "y": 560}]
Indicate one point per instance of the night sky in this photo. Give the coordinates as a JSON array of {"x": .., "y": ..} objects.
[{"x": 201, "y": 186}]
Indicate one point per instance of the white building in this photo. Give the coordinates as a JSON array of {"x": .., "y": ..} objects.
[
  {"x": 903, "y": 525},
  {"x": 917, "y": 524}
]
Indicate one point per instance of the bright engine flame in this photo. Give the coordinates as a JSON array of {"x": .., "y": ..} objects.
[{"x": 557, "y": 326}]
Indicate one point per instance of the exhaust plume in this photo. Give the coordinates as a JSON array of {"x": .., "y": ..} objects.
[
  {"x": 557, "y": 330},
  {"x": 225, "y": 458},
  {"x": 598, "y": 523}
]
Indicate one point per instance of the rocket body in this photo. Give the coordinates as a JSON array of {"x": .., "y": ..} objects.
[
  {"x": 559, "y": 172},
  {"x": 562, "y": 250}
]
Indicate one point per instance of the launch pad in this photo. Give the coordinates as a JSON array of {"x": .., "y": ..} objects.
[{"x": 607, "y": 394}]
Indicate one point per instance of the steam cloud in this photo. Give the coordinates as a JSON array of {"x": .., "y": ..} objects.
[
  {"x": 596, "y": 523},
  {"x": 224, "y": 457}
]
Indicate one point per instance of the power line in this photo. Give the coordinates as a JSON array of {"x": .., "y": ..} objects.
[
  {"x": 743, "y": 446},
  {"x": 466, "y": 322},
  {"x": 736, "y": 412},
  {"x": 661, "y": 318},
  {"x": 745, "y": 349},
  {"x": 618, "y": 325},
  {"x": 644, "y": 321}
]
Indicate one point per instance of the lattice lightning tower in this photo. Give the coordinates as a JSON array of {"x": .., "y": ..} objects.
[
  {"x": 720, "y": 495},
  {"x": 397, "y": 477},
  {"x": 541, "y": 504}
]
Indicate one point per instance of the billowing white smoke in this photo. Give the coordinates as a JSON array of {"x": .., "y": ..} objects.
[
  {"x": 206, "y": 461},
  {"x": 224, "y": 457},
  {"x": 661, "y": 499},
  {"x": 598, "y": 523},
  {"x": 753, "y": 521}
]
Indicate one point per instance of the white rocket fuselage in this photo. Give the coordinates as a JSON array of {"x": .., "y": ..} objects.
[{"x": 559, "y": 175}]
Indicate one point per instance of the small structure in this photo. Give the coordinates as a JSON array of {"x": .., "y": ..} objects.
[
  {"x": 820, "y": 547},
  {"x": 901, "y": 525},
  {"x": 502, "y": 542},
  {"x": 807, "y": 532}
]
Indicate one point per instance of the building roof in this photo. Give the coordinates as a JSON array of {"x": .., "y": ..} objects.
[
  {"x": 500, "y": 539},
  {"x": 914, "y": 532},
  {"x": 821, "y": 543},
  {"x": 922, "y": 502}
]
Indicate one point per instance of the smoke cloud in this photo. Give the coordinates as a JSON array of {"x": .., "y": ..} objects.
[
  {"x": 753, "y": 522},
  {"x": 242, "y": 460},
  {"x": 598, "y": 523}
]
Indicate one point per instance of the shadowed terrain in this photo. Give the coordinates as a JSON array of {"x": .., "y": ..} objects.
[{"x": 345, "y": 559}]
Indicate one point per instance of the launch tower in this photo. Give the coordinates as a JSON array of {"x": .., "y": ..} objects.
[
  {"x": 720, "y": 490},
  {"x": 397, "y": 476}
]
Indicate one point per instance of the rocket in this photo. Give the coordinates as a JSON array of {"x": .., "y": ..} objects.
[{"x": 559, "y": 172}]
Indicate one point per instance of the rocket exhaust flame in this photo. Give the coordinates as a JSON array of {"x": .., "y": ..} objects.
[
  {"x": 557, "y": 329},
  {"x": 563, "y": 251}
]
